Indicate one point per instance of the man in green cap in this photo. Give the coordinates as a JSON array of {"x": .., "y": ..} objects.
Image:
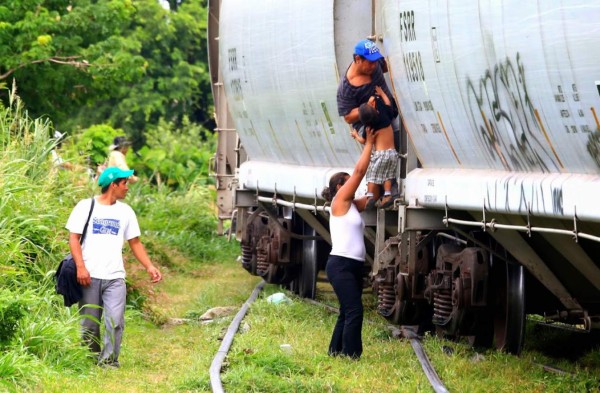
[{"x": 99, "y": 261}]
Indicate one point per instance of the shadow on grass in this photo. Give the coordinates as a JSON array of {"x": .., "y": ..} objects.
[{"x": 576, "y": 346}]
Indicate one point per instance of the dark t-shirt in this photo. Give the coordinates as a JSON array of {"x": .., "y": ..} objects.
[
  {"x": 386, "y": 114},
  {"x": 350, "y": 97}
]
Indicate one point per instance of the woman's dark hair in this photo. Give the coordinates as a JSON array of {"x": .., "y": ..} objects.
[
  {"x": 367, "y": 114},
  {"x": 119, "y": 142},
  {"x": 337, "y": 179}
]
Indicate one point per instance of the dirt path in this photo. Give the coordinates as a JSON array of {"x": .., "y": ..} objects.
[{"x": 173, "y": 356}]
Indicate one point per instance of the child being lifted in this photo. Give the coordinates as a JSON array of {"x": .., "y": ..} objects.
[{"x": 377, "y": 114}]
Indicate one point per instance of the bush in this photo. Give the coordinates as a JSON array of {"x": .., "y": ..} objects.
[
  {"x": 193, "y": 232},
  {"x": 13, "y": 308},
  {"x": 93, "y": 143},
  {"x": 177, "y": 158}
]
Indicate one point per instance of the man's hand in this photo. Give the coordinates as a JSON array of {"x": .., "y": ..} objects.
[
  {"x": 83, "y": 276},
  {"x": 154, "y": 273},
  {"x": 141, "y": 255}
]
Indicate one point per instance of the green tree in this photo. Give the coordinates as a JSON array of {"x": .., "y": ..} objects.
[
  {"x": 65, "y": 56},
  {"x": 176, "y": 82},
  {"x": 126, "y": 63}
]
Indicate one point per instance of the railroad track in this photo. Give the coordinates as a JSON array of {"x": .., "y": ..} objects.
[{"x": 406, "y": 332}]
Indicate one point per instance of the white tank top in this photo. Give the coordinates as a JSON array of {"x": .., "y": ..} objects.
[{"x": 347, "y": 234}]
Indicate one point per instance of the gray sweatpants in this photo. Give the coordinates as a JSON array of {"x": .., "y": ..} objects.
[{"x": 108, "y": 297}]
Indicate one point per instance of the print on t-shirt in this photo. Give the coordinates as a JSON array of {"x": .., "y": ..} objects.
[{"x": 106, "y": 226}]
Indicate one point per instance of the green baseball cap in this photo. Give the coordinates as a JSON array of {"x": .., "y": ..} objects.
[{"x": 111, "y": 174}]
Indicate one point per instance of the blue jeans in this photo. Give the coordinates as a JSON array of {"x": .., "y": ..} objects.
[
  {"x": 345, "y": 275},
  {"x": 108, "y": 298}
]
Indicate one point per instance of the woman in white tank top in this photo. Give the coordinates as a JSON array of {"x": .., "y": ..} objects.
[{"x": 345, "y": 264}]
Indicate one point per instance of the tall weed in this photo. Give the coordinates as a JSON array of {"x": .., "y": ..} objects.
[
  {"x": 184, "y": 220},
  {"x": 38, "y": 335},
  {"x": 17, "y": 370}
]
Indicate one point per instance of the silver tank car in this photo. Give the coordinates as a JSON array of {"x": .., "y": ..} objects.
[{"x": 499, "y": 139}]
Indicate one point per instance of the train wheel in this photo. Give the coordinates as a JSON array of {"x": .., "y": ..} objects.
[
  {"x": 307, "y": 278},
  {"x": 296, "y": 251},
  {"x": 282, "y": 275},
  {"x": 508, "y": 302},
  {"x": 484, "y": 331}
]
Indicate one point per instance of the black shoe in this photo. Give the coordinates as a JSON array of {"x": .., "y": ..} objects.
[
  {"x": 386, "y": 201},
  {"x": 370, "y": 203},
  {"x": 109, "y": 363}
]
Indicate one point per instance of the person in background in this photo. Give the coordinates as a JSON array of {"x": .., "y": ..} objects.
[
  {"x": 346, "y": 260},
  {"x": 57, "y": 160},
  {"x": 116, "y": 157},
  {"x": 99, "y": 262},
  {"x": 377, "y": 114}
]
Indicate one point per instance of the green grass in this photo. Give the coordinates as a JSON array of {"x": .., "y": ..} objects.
[
  {"x": 39, "y": 338},
  {"x": 40, "y": 349},
  {"x": 175, "y": 358},
  {"x": 387, "y": 365},
  {"x": 168, "y": 358}
]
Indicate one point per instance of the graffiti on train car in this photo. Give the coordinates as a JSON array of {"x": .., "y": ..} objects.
[
  {"x": 504, "y": 117},
  {"x": 557, "y": 201},
  {"x": 532, "y": 196},
  {"x": 593, "y": 146}
]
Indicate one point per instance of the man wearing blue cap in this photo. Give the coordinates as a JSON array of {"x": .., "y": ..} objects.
[
  {"x": 99, "y": 261},
  {"x": 358, "y": 84}
]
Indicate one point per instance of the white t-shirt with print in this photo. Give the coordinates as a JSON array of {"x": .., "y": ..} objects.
[{"x": 109, "y": 227}]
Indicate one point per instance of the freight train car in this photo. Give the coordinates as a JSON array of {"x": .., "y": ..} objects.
[{"x": 497, "y": 216}]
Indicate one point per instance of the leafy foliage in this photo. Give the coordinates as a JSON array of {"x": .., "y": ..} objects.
[
  {"x": 94, "y": 142},
  {"x": 61, "y": 54},
  {"x": 38, "y": 335},
  {"x": 123, "y": 63},
  {"x": 12, "y": 309},
  {"x": 176, "y": 158}
]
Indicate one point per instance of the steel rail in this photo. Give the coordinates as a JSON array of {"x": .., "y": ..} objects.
[
  {"x": 434, "y": 380},
  {"x": 215, "y": 367}
]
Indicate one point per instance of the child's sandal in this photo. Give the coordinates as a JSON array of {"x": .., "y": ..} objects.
[{"x": 386, "y": 202}]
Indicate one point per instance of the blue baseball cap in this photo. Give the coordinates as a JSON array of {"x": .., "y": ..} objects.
[
  {"x": 368, "y": 50},
  {"x": 111, "y": 174}
]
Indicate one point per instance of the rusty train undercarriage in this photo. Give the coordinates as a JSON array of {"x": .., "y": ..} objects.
[{"x": 457, "y": 283}]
